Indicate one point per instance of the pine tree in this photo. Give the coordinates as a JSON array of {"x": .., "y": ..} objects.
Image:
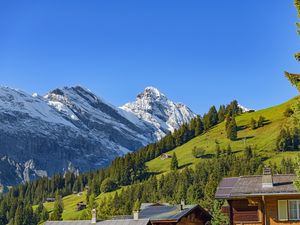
[
  {"x": 248, "y": 154},
  {"x": 221, "y": 114},
  {"x": 260, "y": 122},
  {"x": 253, "y": 124},
  {"x": 58, "y": 209},
  {"x": 108, "y": 185},
  {"x": 199, "y": 126},
  {"x": 297, "y": 170},
  {"x": 137, "y": 205},
  {"x": 41, "y": 213},
  {"x": 284, "y": 140},
  {"x": 217, "y": 216},
  {"x": 232, "y": 130},
  {"x": 229, "y": 150},
  {"x": 218, "y": 150},
  {"x": 174, "y": 162},
  {"x": 213, "y": 116},
  {"x": 296, "y": 138}
]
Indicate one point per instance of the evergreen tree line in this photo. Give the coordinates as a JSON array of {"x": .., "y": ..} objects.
[
  {"x": 194, "y": 186},
  {"x": 288, "y": 140},
  {"x": 124, "y": 170}
]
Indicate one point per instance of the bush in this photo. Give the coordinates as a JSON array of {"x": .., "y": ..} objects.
[
  {"x": 108, "y": 185},
  {"x": 197, "y": 152},
  {"x": 261, "y": 121},
  {"x": 288, "y": 112}
]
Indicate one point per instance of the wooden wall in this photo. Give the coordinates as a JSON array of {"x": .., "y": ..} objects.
[
  {"x": 272, "y": 210},
  {"x": 242, "y": 213}
]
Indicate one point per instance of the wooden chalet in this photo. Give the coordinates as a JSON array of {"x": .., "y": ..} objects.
[
  {"x": 165, "y": 156},
  {"x": 50, "y": 199},
  {"x": 81, "y": 206},
  {"x": 165, "y": 214},
  {"x": 152, "y": 214},
  {"x": 261, "y": 200}
]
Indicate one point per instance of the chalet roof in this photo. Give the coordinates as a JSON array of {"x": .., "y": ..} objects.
[
  {"x": 244, "y": 186},
  {"x": 167, "y": 212},
  {"x": 104, "y": 222},
  {"x": 146, "y": 205}
]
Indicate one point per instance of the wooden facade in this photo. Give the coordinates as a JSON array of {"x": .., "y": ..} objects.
[{"x": 262, "y": 210}]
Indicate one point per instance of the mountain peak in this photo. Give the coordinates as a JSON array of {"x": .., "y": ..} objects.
[
  {"x": 151, "y": 92},
  {"x": 155, "y": 108}
]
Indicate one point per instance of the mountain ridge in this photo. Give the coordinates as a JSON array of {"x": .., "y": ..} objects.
[
  {"x": 154, "y": 107},
  {"x": 69, "y": 127}
]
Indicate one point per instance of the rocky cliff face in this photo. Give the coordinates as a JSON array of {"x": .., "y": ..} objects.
[
  {"x": 155, "y": 108},
  {"x": 73, "y": 129}
]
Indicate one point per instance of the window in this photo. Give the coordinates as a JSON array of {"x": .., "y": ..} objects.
[
  {"x": 294, "y": 209},
  {"x": 288, "y": 210},
  {"x": 282, "y": 210}
]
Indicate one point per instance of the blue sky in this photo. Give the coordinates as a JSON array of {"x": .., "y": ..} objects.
[{"x": 196, "y": 52}]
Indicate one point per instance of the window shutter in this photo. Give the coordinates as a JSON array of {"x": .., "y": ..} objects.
[{"x": 282, "y": 210}]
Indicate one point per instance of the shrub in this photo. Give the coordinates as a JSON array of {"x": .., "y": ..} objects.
[
  {"x": 198, "y": 152},
  {"x": 288, "y": 112}
]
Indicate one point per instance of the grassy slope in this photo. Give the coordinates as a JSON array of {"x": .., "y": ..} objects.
[
  {"x": 70, "y": 202},
  {"x": 262, "y": 140}
]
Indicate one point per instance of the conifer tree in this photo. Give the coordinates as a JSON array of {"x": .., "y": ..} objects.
[
  {"x": 260, "y": 122},
  {"x": 253, "y": 124},
  {"x": 174, "y": 162},
  {"x": 221, "y": 114},
  {"x": 213, "y": 116},
  {"x": 217, "y": 216},
  {"x": 248, "y": 154},
  {"x": 58, "y": 209},
  {"x": 218, "y": 150},
  {"x": 199, "y": 126},
  {"x": 231, "y": 129},
  {"x": 137, "y": 205}
]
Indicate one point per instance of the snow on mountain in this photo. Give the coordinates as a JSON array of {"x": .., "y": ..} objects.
[
  {"x": 156, "y": 109},
  {"x": 73, "y": 129},
  {"x": 244, "y": 109}
]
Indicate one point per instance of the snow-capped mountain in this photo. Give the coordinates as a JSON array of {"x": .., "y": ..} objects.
[
  {"x": 245, "y": 109},
  {"x": 73, "y": 129},
  {"x": 155, "y": 108}
]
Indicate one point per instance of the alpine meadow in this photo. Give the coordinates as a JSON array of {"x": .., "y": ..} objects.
[{"x": 71, "y": 157}]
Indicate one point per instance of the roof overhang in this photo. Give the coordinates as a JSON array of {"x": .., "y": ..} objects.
[{"x": 257, "y": 195}]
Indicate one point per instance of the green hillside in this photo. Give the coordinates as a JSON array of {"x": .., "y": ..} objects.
[{"x": 262, "y": 140}]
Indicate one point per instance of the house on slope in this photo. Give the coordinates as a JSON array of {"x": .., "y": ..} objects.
[
  {"x": 261, "y": 200},
  {"x": 152, "y": 214},
  {"x": 165, "y": 214},
  {"x": 104, "y": 222}
]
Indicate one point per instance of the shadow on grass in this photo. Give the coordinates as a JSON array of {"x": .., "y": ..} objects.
[
  {"x": 244, "y": 138},
  {"x": 207, "y": 156},
  {"x": 239, "y": 128},
  {"x": 185, "y": 165}
]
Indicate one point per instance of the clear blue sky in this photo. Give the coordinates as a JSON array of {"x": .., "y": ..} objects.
[{"x": 198, "y": 52}]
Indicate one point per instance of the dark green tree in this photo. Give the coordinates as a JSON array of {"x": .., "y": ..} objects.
[
  {"x": 58, "y": 209},
  {"x": 218, "y": 217},
  {"x": 248, "y": 154},
  {"x": 231, "y": 129},
  {"x": 260, "y": 122},
  {"x": 221, "y": 113},
  {"x": 108, "y": 185},
  {"x": 253, "y": 124},
  {"x": 174, "y": 162}
]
